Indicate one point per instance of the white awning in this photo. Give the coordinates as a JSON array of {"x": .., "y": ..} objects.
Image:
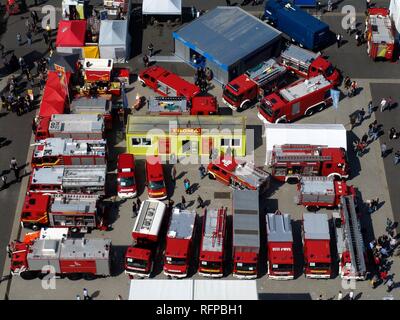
[
  {"x": 159, "y": 7},
  {"x": 395, "y": 13}
]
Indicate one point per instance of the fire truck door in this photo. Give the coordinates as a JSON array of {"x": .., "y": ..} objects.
[
  {"x": 295, "y": 108},
  {"x": 382, "y": 50}
]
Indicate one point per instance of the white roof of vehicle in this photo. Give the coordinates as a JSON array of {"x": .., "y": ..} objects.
[
  {"x": 162, "y": 7},
  {"x": 316, "y": 226},
  {"x": 279, "y": 227},
  {"x": 317, "y": 185},
  {"x": 98, "y": 64},
  {"x": 150, "y": 217},
  {"x": 383, "y": 31},
  {"x": 74, "y": 204},
  {"x": 70, "y": 147},
  {"x": 211, "y": 241},
  {"x": 189, "y": 289},
  {"x": 395, "y": 13},
  {"x": 76, "y": 123},
  {"x": 182, "y": 224},
  {"x": 304, "y": 88},
  {"x": 331, "y": 135},
  {"x": 48, "y": 176},
  {"x": 53, "y": 233}
]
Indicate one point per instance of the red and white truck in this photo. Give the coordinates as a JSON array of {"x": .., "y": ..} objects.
[
  {"x": 292, "y": 161},
  {"x": 238, "y": 175},
  {"x": 79, "y": 213},
  {"x": 74, "y": 126},
  {"x": 213, "y": 242},
  {"x": 321, "y": 192},
  {"x": 59, "y": 151},
  {"x": 316, "y": 246},
  {"x": 126, "y": 182},
  {"x": 139, "y": 258},
  {"x": 246, "y": 233},
  {"x": 349, "y": 241},
  {"x": 73, "y": 258},
  {"x": 302, "y": 98},
  {"x": 246, "y": 90},
  {"x": 280, "y": 263},
  {"x": 69, "y": 179},
  {"x": 381, "y": 41},
  {"x": 155, "y": 182},
  {"x": 179, "y": 243},
  {"x": 204, "y": 104},
  {"x": 308, "y": 64}
]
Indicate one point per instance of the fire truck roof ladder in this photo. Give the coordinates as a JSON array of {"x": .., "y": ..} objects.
[
  {"x": 294, "y": 152},
  {"x": 353, "y": 234},
  {"x": 265, "y": 71},
  {"x": 218, "y": 233}
]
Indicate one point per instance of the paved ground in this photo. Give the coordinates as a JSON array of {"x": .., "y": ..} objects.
[{"x": 368, "y": 175}]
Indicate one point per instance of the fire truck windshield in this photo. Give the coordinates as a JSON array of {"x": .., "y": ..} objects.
[
  {"x": 317, "y": 265},
  {"x": 329, "y": 71},
  {"x": 127, "y": 181},
  {"x": 240, "y": 266},
  {"x": 156, "y": 185},
  {"x": 266, "y": 106},
  {"x": 136, "y": 263},
  {"x": 175, "y": 261},
  {"x": 282, "y": 267},
  {"x": 231, "y": 96},
  {"x": 211, "y": 265}
]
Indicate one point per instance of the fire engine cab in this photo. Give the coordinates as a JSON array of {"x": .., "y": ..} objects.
[
  {"x": 316, "y": 192},
  {"x": 126, "y": 176},
  {"x": 167, "y": 83},
  {"x": 245, "y": 90},
  {"x": 349, "y": 240},
  {"x": 58, "y": 151},
  {"x": 380, "y": 34},
  {"x": 291, "y": 161},
  {"x": 79, "y": 213},
  {"x": 69, "y": 179},
  {"x": 238, "y": 175},
  {"x": 302, "y": 98},
  {"x": 308, "y": 64},
  {"x": 280, "y": 246},
  {"x": 155, "y": 178},
  {"x": 212, "y": 248}
]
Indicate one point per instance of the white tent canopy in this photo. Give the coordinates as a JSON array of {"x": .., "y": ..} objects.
[
  {"x": 114, "y": 40},
  {"x": 331, "y": 135},
  {"x": 160, "y": 7},
  {"x": 188, "y": 289},
  {"x": 395, "y": 13}
]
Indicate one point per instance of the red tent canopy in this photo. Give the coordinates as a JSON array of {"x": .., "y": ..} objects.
[
  {"x": 71, "y": 33},
  {"x": 54, "y": 95}
]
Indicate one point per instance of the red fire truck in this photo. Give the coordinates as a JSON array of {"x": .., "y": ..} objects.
[
  {"x": 245, "y": 90},
  {"x": 238, "y": 175},
  {"x": 126, "y": 176},
  {"x": 155, "y": 178},
  {"x": 69, "y": 179},
  {"x": 58, "y": 151},
  {"x": 316, "y": 246},
  {"x": 302, "y": 98},
  {"x": 316, "y": 192},
  {"x": 280, "y": 246},
  {"x": 204, "y": 104},
  {"x": 308, "y": 64},
  {"x": 146, "y": 235},
  {"x": 179, "y": 243},
  {"x": 212, "y": 248},
  {"x": 167, "y": 84},
  {"x": 291, "y": 161},
  {"x": 380, "y": 34},
  {"x": 79, "y": 213},
  {"x": 246, "y": 233},
  {"x": 73, "y": 258},
  {"x": 349, "y": 240},
  {"x": 75, "y": 126}
]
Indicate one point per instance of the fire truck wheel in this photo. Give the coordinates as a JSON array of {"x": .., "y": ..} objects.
[
  {"x": 29, "y": 275},
  {"x": 244, "y": 106},
  {"x": 211, "y": 176},
  {"x": 321, "y": 107},
  {"x": 309, "y": 112},
  {"x": 74, "y": 276},
  {"x": 89, "y": 276}
]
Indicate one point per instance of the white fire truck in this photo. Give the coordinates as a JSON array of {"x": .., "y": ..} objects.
[
  {"x": 69, "y": 179},
  {"x": 349, "y": 240},
  {"x": 59, "y": 151}
]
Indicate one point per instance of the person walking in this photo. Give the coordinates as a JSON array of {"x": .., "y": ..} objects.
[
  {"x": 364, "y": 139},
  {"x": 183, "y": 201},
  {"x": 46, "y": 39},
  {"x": 186, "y": 184},
  {"x": 146, "y": 60},
  {"x": 19, "y": 38},
  {"x": 374, "y": 281},
  {"x": 14, "y": 167},
  {"x": 330, "y": 6},
  {"x": 202, "y": 171},
  {"x": 393, "y": 133},
  {"x": 200, "y": 202},
  {"x": 29, "y": 37},
  {"x": 351, "y": 295},
  {"x": 339, "y": 40},
  {"x": 370, "y": 109},
  {"x": 48, "y": 29},
  {"x": 170, "y": 204},
  {"x": 340, "y": 295},
  {"x": 85, "y": 294},
  {"x": 383, "y": 149},
  {"x": 368, "y": 4},
  {"x": 389, "y": 103},
  {"x": 383, "y": 104},
  {"x": 134, "y": 209},
  {"x": 150, "y": 49},
  {"x": 353, "y": 119},
  {"x": 173, "y": 174},
  {"x": 358, "y": 38},
  {"x": 138, "y": 203},
  {"x": 390, "y": 284},
  {"x": 396, "y": 158}
]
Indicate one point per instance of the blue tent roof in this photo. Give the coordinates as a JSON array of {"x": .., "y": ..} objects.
[{"x": 226, "y": 35}]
